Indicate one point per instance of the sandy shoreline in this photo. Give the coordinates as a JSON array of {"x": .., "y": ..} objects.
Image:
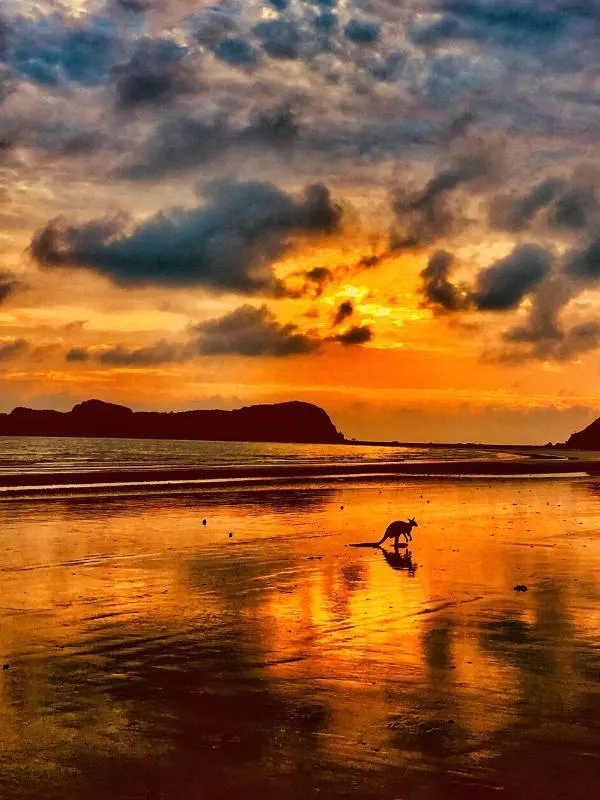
[{"x": 152, "y": 656}]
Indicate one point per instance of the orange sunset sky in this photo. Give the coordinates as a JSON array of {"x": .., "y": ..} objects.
[{"x": 388, "y": 209}]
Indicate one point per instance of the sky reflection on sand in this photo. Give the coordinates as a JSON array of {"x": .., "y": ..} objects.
[{"x": 150, "y": 656}]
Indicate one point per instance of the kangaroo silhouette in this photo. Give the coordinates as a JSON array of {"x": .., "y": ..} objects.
[{"x": 393, "y": 531}]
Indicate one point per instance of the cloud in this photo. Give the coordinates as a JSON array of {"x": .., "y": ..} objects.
[
  {"x": 579, "y": 339},
  {"x": 319, "y": 277},
  {"x": 555, "y": 204},
  {"x": 13, "y": 349},
  {"x": 161, "y": 352},
  {"x": 9, "y": 284},
  {"x": 188, "y": 142},
  {"x": 500, "y": 287},
  {"x": 344, "y": 311},
  {"x": 515, "y": 214},
  {"x": 77, "y": 354},
  {"x": 439, "y": 292},
  {"x": 246, "y": 331},
  {"x": 211, "y": 25},
  {"x": 228, "y": 244},
  {"x": 424, "y": 216},
  {"x": 504, "y": 23},
  {"x": 361, "y": 31},
  {"x": 135, "y": 6},
  {"x": 584, "y": 264},
  {"x": 359, "y": 334},
  {"x": 235, "y": 51},
  {"x": 279, "y": 38},
  {"x": 251, "y": 331},
  {"x": 504, "y": 285},
  {"x": 157, "y": 73},
  {"x": 54, "y": 49},
  {"x": 564, "y": 346},
  {"x": 543, "y": 328}
]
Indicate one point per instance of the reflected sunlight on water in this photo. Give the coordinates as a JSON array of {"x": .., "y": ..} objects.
[
  {"x": 151, "y": 656},
  {"x": 38, "y": 454}
]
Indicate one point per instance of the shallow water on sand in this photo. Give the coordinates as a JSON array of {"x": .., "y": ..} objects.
[{"x": 150, "y": 656}]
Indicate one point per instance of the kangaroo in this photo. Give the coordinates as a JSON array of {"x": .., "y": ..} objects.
[
  {"x": 397, "y": 529},
  {"x": 393, "y": 531}
]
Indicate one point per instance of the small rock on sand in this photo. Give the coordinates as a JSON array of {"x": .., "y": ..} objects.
[
  {"x": 204, "y": 522},
  {"x": 520, "y": 587},
  {"x": 230, "y": 535}
]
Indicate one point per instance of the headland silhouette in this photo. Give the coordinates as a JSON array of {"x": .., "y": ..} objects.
[{"x": 293, "y": 422}]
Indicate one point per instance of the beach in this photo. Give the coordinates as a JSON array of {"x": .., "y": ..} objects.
[{"x": 149, "y": 655}]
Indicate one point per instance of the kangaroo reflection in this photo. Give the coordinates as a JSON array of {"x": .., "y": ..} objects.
[{"x": 400, "y": 560}]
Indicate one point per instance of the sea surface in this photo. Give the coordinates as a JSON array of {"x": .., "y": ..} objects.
[
  {"x": 224, "y": 642},
  {"x": 27, "y": 455}
]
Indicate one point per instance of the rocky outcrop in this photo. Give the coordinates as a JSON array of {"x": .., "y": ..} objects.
[
  {"x": 587, "y": 439},
  {"x": 293, "y": 422}
]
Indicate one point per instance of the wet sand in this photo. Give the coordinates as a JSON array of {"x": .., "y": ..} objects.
[
  {"x": 150, "y": 656},
  {"x": 151, "y": 479}
]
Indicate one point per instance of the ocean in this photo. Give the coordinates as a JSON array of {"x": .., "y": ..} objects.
[{"x": 36, "y": 454}]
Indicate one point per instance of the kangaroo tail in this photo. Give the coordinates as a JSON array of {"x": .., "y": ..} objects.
[{"x": 369, "y": 544}]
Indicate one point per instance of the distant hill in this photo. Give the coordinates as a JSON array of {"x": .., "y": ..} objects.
[
  {"x": 587, "y": 439},
  {"x": 293, "y": 422}
]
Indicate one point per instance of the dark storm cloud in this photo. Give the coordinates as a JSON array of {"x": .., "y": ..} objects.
[
  {"x": 185, "y": 143},
  {"x": 361, "y": 31},
  {"x": 161, "y": 352},
  {"x": 279, "y": 38},
  {"x": 320, "y": 277},
  {"x": 157, "y": 73},
  {"x": 501, "y": 287},
  {"x": 228, "y": 244},
  {"x": 505, "y": 23},
  {"x": 359, "y": 334},
  {"x": 77, "y": 354},
  {"x": 78, "y": 144},
  {"x": 136, "y": 6},
  {"x": 516, "y": 213},
  {"x": 344, "y": 311},
  {"x": 7, "y": 84},
  {"x": 251, "y": 331},
  {"x": 236, "y": 52},
  {"x": 53, "y": 49},
  {"x": 555, "y": 203},
  {"x": 504, "y": 285},
  {"x": 4, "y": 38},
  {"x": 214, "y": 24},
  {"x": 584, "y": 265},
  {"x": 427, "y": 215},
  {"x": 9, "y": 284},
  {"x": 326, "y": 22},
  {"x": 576, "y": 208},
  {"x": 579, "y": 339},
  {"x": 10, "y": 350},
  {"x": 543, "y": 328},
  {"x": 438, "y": 291},
  {"x": 179, "y": 144},
  {"x": 562, "y": 346}
]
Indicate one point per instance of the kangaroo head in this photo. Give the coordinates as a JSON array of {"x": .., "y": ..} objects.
[{"x": 413, "y": 522}]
